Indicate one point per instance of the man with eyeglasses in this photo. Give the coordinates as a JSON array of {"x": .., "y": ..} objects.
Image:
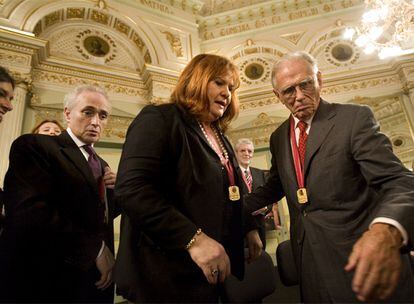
[{"x": 351, "y": 201}]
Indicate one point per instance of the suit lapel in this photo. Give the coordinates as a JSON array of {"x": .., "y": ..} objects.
[
  {"x": 321, "y": 125},
  {"x": 72, "y": 152},
  {"x": 286, "y": 152}
]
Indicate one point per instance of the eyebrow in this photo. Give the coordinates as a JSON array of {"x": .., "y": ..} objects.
[{"x": 309, "y": 78}]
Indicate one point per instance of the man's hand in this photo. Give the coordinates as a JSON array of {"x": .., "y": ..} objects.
[
  {"x": 255, "y": 245},
  {"x": 105, "y": 262},
  {"x": 377, "y": 263},
  {"x": 211, "y": 257},
  {"x": 274, "y": 214},
  {"x": 109, "y": 178}
]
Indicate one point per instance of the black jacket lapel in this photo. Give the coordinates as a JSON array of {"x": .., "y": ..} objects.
[
  {"x": 72, "y": 152},
  {"x": 320, "y": 128}
]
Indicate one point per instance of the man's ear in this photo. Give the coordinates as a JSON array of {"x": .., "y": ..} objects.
[
  {"x": 319, "y": 77},
  {"x": 276, "y": 93},
  {"x": 66, "y": 113},
  {"x": 278, "y": 96}
]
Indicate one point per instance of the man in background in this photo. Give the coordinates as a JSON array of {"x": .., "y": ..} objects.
[
  {"x": 57, "y": 243},
  {"x": 253, "y": 178}
]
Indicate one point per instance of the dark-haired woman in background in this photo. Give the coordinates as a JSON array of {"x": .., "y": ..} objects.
[
  {"x": 48, "y": 127},
  {"x": 182, "y": 227}
]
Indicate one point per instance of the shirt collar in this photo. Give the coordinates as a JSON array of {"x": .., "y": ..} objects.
[
  {"x": 244, "y": 169},
  {"x": 308, "y": 122},
  {"x": 77, "y": 141}
]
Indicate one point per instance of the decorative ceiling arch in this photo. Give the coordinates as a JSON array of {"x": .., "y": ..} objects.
[
  {"x": 94, "y": 16},
  {"x": 255, "y": 60},
  {"x": 331, "y": 50},
  {"x": 37, "y": 16}
]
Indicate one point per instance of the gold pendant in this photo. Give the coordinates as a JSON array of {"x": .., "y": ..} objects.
[
  {"x": 234, "y": 193},
  {"x": 302, "y": 196}
]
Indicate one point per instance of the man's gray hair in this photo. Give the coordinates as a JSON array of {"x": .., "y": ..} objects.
[
  {"x": 299, "y": 55},
  {"x": 243, "y": 141},
  {"x": 71, "y": 98}
]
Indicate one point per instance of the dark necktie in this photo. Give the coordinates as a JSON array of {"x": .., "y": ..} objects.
[
  {"x": 302, "y": 141},
  {"x": 93, "y": 162},
  {"x": 96, "y": 168},
  {"x": 249, "y": 179}
]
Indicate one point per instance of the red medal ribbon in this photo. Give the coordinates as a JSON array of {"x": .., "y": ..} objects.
[
  {"x": 230, "y": 172},
  {"x": 299, "y": 170}
]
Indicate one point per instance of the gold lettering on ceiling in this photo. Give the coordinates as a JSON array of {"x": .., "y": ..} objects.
[{"x": 157, "y": 6}]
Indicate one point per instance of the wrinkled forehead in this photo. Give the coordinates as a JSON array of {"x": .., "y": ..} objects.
[
  {"x": 95, "y": 100},
  {"x": 247, "y": 147},
  {"x": 292, "y": 72}
]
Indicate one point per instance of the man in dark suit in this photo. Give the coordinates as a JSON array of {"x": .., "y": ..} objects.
[
  {"x": 351, "y": 201},
  {"x": 7, "y": 85},
  {"x": 57, "y": 243},
  {"x": 252, "y": 179}
]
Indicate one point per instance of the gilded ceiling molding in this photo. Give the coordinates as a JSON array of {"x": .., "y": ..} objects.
[
  {"x": 163, "y": 78},
  {"x": 8, "y": 58},
  {"x": 96, "y": 15},
  {"x": 253, "y": 49},
  {"x": 293, "y": 37},
  {"x": 360, "y": 85},
  {"x": 331, "y": 34},
  {"x": 81, "y": 73},
  {"x": 248, "y": 105},
  {"x": 267, "y": 15},
  {"x": 4, "y": 45},
  {"x": 73, "y": 80}
]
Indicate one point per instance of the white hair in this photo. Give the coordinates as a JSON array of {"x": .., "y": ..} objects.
[
  {"x": 299, "y": 55},
  {"x": 243, "y": 141},
  {"x": 71, "y": 97}
]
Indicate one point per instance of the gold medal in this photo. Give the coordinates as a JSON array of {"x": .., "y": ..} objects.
[
  {"x": 234, "y": 193},
  {"x": 302, "y": 196}
]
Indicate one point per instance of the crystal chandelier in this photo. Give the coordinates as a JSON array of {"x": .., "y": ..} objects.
[{"x": 386, "y": 27}]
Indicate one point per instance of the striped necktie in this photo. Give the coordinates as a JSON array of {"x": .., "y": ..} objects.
[
  {"x": 249, "y": 178},
  {"x": 303, "y": 137}
]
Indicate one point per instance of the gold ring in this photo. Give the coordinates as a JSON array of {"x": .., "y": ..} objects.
[{"x": 214, "y": 272}]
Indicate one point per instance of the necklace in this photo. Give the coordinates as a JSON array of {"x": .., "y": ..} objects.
[{"x": 224, "y": 155}]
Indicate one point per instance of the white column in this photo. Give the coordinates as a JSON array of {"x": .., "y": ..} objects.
[
  {"x": 408, "y": 106},
  {"x": 11, "y": 127}
]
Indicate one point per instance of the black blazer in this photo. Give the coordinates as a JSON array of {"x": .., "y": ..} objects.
[
  {"x": 170, "y": 183},
  {"x": 352, "y": 177},
  {"x": 258, "y": 178},
  {"x": 54, "y": 216}
]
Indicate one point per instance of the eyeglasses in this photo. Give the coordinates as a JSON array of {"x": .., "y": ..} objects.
[{"x": 307, "y": 85}]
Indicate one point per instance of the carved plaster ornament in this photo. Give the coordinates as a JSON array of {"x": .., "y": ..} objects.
[{"x": 175, "y": 43}]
